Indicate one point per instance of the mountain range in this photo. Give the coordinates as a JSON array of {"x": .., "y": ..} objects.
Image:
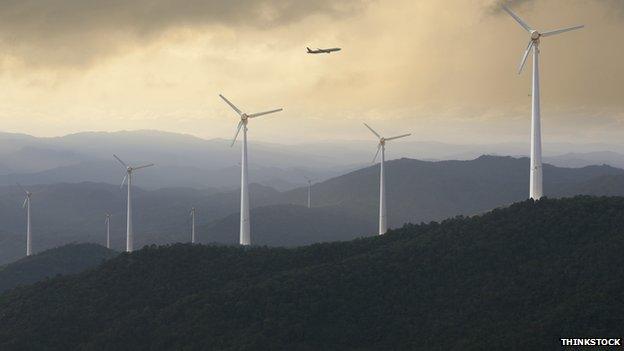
[
  {"x": 187, "y": 161},
  {"x": 345, "y": 207}
]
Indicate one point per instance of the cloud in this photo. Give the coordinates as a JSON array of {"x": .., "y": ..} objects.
[
  {"x": 494, "y": 6},
  {"x": 80, "y": 32}
]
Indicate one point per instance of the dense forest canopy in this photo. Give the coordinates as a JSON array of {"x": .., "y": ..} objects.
[
  {"x": 67, "y": 259},
  {"x": 521, "y": 277}
]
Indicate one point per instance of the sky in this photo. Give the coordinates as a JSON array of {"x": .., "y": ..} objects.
[{"x": 442, "y": 70}]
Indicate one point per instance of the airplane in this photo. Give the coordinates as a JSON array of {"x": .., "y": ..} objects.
[{"x": 322, "y": 51}]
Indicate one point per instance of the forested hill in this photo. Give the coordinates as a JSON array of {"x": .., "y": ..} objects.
[
  {"x": 515, "y": 278},
  {"x": 68, "y": 259},
  {"x": 291, "y": 225}
]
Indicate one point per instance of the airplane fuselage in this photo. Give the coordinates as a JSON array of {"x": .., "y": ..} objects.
[{"x": 323, "y": 51}]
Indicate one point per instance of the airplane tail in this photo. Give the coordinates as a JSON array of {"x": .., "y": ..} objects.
[{"x": 308, "y": 49}]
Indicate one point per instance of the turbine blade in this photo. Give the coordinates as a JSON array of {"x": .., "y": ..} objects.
[
  {"x": 377, "y": 153},
  {"x": 372, "y": 130},
  {"x": 399, "y": 137},
  {"x": 231, "y": 105},
  {"x": 144, "y": 166},
  {"x": 240, "y": 124},
  {"x": 120, "y": 161},
  {"x": 25, "y": 202},
  {"x": 518, "y": 19},
  {"x": 123, "y": 181},
  {"x": 559, "y": 31},
  {"x": 524, "y": 58},
  {"x": 254, "y": 115}
]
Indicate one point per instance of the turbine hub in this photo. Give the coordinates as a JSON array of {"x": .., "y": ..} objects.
[
  {"x": 382, "y": 141},
  {"x": 535, "y": 35},
  {"x": 244, "y": 117}
]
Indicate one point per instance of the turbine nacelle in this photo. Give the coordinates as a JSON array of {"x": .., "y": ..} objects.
[
  {"x": 383, "y": 140},
  {"x": 27, "y": 193},
  {"x": 244, "y": 117},
  {"x": 535, "y": 35},
  {"x": 130, "y": 169}
]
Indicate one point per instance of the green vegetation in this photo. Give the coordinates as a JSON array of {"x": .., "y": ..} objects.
[
  {"x": 291, "y": 225},
  {"x": 516, "y": 278},
  {"x": 68, "y": 259}
]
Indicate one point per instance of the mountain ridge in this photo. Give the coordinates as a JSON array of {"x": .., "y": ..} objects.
[{"x": 514, "y": 272}]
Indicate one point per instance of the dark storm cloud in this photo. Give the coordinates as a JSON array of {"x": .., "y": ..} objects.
[
  {"x": 495, "y": 7},
  {"x": 75, "y": 32}
]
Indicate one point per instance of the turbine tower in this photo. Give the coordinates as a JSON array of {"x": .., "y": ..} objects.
[
  {"x": 192, "y": 215},
  {"x": 535, "y": 184},
  {"x": 107, "y": 222},
  {"x": 26, "y": 205},
  {"x": 383, "y": 228},
  {"x": 129, "y": 171},
  {"x": 245, "y": 231},
  {"x": 309, "y": 191}
]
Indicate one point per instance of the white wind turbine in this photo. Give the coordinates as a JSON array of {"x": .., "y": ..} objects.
[
  {"x": 26, "y": 205},
  {"x": 129, "y": 171},
  {"x": 309, "y": 191},
  {"x": 107, "y": 222},
  {"x": 245, "y": 231},
  {"x": 192, "y": 215},
  {"x": 382, "y": 183},
  {"x": 535, "y": 187}
]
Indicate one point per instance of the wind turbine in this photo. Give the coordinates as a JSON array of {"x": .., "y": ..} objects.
[
  {"x": 107, "y": 222},
  {"x": 383, "y": 228},
  {"x": 26, "y": 205},
  {"x": 245, "y": 231},
  {"x": 309, "y": 191},
  {"x": 192, "y": 215},
  {"x": 535, "y": 187},
  {"x": 128, "y": 177}
]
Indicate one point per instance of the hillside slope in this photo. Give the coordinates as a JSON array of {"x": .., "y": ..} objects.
[
  {"x": 417, "y": 191},
  {"x": 424, "y": 191},
  {"x": 524, "y": 276},
  {"x": 290, "y": 225},
  {"x": 68, "y": 259}
]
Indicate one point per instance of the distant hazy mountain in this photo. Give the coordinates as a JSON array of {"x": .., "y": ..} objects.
[
  {"x": 63, "y": 213},
  {"x": 188, "y": 161},
  {"x": 423, "y": 191},
  {"x": 291, "y": 225},
  {"x": 12, "y": 246},
  {"x": 109, "y": 171},
  {"x": 181, "y": 160},
  {"x": 585, "y": 159},
  {"x": 344, "y": 207},
  {"x": 523, "y": 276},
  {"x": 68, "y": 259}
]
